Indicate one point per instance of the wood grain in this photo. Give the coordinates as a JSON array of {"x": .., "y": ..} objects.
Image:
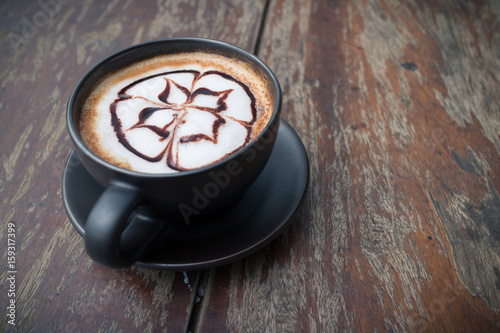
[
  {"x": 47, "y": 46},
  {"x": 397, "y": 104}
]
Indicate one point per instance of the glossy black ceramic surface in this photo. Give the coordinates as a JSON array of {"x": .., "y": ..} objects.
[{"x": 256, "y": 218}]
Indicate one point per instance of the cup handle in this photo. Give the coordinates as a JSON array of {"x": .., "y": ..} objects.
[{"x": 108, "y": 239}]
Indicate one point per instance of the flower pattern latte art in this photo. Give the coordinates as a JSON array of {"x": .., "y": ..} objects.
[{"x": 168, "y": 117}]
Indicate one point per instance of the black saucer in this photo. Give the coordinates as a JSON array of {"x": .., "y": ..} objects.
[{"x": 256, "y": 219}]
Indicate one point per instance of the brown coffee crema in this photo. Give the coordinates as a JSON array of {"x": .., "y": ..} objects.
[{"x": 175, "y": 112}]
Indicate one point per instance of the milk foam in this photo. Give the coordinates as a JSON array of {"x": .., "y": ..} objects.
[{"x": 160, "y": 116}]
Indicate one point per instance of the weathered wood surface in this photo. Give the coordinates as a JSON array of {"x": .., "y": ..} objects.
[
  {"x": 397, "y": 104},
  {"x": 47, "y": 46}
]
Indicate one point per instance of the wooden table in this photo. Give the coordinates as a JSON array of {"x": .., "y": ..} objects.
[{"x": 397, "y": 103}]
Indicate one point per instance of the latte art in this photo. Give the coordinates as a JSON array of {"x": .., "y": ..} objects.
[
  {"x": 174, "y": 119},
  {"x": 187, "y": 122}
]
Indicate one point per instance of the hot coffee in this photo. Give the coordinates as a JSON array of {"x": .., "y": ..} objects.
[
  {"x": 162, "y": 107},
  {"x": 175, "y": 112}
]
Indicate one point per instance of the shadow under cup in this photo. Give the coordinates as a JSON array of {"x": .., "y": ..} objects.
[{"x": 119, "y": 228}]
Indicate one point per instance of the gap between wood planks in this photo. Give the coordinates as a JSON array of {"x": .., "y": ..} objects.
[{"x": 197, "y": 301}]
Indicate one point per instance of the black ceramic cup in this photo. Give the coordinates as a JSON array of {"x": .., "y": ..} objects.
[{"x": 136, "y": 207}]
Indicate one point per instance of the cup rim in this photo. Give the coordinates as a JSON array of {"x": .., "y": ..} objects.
[{"x": 78, "y": 142}]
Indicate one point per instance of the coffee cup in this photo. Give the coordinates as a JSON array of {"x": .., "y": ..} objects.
[{"x": 136, "y": 206}]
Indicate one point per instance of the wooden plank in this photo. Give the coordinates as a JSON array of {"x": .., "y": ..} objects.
[
  {"x": 47, "y": 46},
  {"x": 397, "y": 104}
]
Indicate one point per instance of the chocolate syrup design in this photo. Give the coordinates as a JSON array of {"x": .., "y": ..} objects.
[{"x": 184, "y": 95}]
